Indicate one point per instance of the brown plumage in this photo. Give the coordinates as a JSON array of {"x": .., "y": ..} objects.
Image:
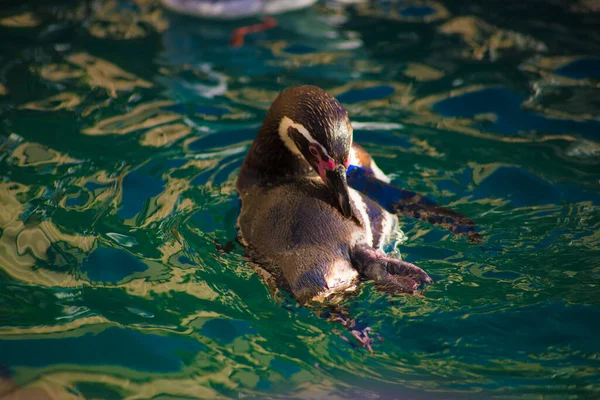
[{"x": 299, "y": 219}]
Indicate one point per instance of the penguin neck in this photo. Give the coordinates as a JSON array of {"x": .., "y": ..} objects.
[{"x": 269, "y": 161}]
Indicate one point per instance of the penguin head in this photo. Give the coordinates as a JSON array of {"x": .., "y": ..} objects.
[{"x": 314, "y": 125}]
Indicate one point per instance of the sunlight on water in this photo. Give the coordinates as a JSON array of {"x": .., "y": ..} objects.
[{"x": 124, "y": 125}]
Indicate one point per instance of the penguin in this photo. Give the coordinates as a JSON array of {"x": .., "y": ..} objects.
[
  {"x": 234, "y": 9},
  {"x": 299, "y": 219}
]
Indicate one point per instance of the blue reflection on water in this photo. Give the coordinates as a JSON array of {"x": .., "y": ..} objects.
[
  {"x": 509, "y": 117},
  {"x": 106, "y": 264},
  {"x": 581, "y": 69}
]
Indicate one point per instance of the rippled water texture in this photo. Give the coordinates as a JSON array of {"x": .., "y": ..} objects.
[{"x": 122, "y": 129}]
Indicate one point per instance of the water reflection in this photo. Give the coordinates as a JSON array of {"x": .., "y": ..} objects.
[
  {"x": 413, "y": 11},
  {"x": 23, "y": 20},
  {"x": 143, "y": 116},
  {"x": 105, "y": 74},
  {"x": 119, "y": 157},
  {"x": 487, "y": 41}
]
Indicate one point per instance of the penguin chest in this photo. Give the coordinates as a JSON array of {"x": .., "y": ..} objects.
[
  {"x": 379, "y": 225},
  {"x": 340, "y": 277}
]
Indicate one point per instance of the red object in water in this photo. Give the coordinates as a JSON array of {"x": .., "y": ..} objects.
[{"x": 237, "y": 36}]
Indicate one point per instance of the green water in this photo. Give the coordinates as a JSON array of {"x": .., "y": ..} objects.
[{"x": 122, "y": 128}]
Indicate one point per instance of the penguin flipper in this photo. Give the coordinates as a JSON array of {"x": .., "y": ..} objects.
[
  {"x": 359, "y": 157},
  {"x": 406, "y": 202}
]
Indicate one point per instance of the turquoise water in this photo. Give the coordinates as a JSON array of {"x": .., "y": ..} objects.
[{"x": 122, "y": 128}]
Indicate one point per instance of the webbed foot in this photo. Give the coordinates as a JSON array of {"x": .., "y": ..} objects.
[
  {"x": 389, "y": 274},
  {"x": 359, "y": 331}
]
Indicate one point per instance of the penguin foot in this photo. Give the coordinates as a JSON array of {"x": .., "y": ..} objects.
[
  {"x": 361, "y": 336},
  {"x": 389, "y": 274},
  {"x": 359, "y": 331},
  {"x": 237, "y": 36}
]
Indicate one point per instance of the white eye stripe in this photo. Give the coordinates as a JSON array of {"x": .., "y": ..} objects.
[
  {"x": 287, "y": 140},
  {"x": 284, "y": 126}
]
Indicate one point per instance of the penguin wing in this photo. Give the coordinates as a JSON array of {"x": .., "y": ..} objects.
[
  {"x": 364, "y": 176},
  {"x": 359, "y": 157}
]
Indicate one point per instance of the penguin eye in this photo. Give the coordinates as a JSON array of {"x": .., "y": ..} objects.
[{"x": 313, "y": 151}]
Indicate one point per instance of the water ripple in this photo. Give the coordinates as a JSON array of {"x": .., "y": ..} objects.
[{"x": 123, "y": 127}]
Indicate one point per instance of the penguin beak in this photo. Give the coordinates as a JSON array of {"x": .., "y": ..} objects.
[{"x": 336, "y": 181}]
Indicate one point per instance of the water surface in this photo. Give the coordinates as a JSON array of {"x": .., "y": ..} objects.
[{"x": 122, "y": 129}]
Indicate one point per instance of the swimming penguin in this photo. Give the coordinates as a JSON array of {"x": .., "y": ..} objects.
[
  {"x": 299, "y": 219},
  {"x": 234, "y": 9}
]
